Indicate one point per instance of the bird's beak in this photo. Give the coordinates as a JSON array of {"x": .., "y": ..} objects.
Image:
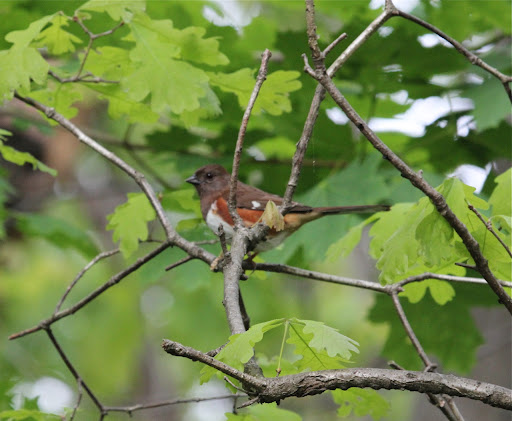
[{"x": 193, "y": 180}]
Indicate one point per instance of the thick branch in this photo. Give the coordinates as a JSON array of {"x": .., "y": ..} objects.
[
  {"x": 314, "y": 383},
  {"x": 415, "y": 381}
]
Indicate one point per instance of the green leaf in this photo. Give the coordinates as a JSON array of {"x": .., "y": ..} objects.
[
  {"x": 457, "y": 196},
  {"x": 120, "y": 104},
  {"x": 276, "y": 147},
  {"x": 394, "y": 243},
  {"x": 328, "y": 338},
  {"x": 500, "y": 199},
  {"x": 56, "y": 38},
  {"x": 22, "y": 63},
  {"x": 181, "y": 200},
  {"x": 435, "y": 236},
  {"x": 344, "y": 246},
  {"x": 265, "y": 412},
  {"x": 117, "y": 10},
  {"x": 240, "y": 348},
  {"x": 320, "y": 346},
  {"x": 491, "y": 103},
  {"x": 19, "y": 66},
  {"x": 197, "y": 49},
  {"x": 454, "y": 316},
  {"x": 209, "y": 106},
  {"x": 109, "y": 62},
  {"x": 58, "y": 232},
  {"x": 497, "y": 256},
  {"x": 21, "y": 158},
  {"x": 241, "y": 83},
  {"x": 61, "y": 97},
  {"x": 170, "y": 82},
  {"x": 28, "y": 415},
  {"x": 273, "y": 96},
  {"x": 361, "y": 402},
  {"x": 24, "y": 37},
  {"x": 441, "y": 291},
  {"x": 130, "y": 222}
]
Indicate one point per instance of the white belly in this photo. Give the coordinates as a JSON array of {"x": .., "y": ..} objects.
[{"x": 213, "y": 220}]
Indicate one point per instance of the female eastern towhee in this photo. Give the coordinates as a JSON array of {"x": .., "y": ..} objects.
[{"x": 212, "y": 184}]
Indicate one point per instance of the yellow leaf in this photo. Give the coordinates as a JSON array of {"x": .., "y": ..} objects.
[{"x": 272, "y": 216}]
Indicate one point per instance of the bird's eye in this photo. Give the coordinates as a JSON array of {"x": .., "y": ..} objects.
[{"x": 209, "y": 175}]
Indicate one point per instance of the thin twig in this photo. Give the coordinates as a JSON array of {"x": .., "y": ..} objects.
[
  {"x": 233, "y": 385},
  {"x": 139, "y": 407},
  {"x": 86, "y": 78},
  {"x": 451, "y": 412},
  {"x": 449, "y": 278},
  {"x": 92, "y": 38},
  {"x": 73, "y": 370},
  {"x": 179, "y": 262},
  {"x": 410, "y": 332},
  {"x": 473, "y": 58},
  {"x": 416, "y": 180},
  {"x": 488, "y": 225},
  {"x": 320, "y": 276},
  {"x": 78, "y": 400},
  {"x": 89, "y": 265},
  {"x": 334, "y": 44},
  {"x": 82, "y": 137},
  {"x": 262, "y": 75},
  {"x": 314, "y": 109},
  {"x": 142, "y": 164},
  {"x": 86, "y": 300}
]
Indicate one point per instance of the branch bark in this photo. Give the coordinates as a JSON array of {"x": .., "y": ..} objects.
[{"x": 306, "y": 384}]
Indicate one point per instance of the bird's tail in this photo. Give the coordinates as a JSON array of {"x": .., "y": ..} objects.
[{"x": 334, "y": 210}]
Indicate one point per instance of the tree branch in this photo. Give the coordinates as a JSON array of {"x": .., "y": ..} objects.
[
  {"x": 139, "y": 407},
  {"x": 488, "y": 225},
  {"x": 89, "y": 265},
  {"x": 86, "y": 300},
  {"x": 416, "y": 179},
  {"x": 262, "y": 76},
  {"x": 73, "y": 371},
  {"x": 473, "y": 58},
  {"x": 313, "y": 383},
  {"x": 171, "y": 234},
  {"x": 314, "y": 109}
]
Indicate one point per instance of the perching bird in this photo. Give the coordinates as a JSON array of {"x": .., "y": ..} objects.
[{"x": 212, "y": 184}]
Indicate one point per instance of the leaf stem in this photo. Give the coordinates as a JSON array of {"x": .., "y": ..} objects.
[{"x": 286, "y": 325}]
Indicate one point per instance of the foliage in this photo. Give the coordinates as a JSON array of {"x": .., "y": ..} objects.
[
  {"x": 320, "y": 347},
  {"x": 20, "y": 158},
  {"x": 164, "y": 86}
]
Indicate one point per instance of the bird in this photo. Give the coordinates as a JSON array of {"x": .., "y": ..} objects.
[{"x": 212, "y": 183}]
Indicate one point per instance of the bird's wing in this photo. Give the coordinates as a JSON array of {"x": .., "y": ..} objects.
[{"x": 249, "y": 197}]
